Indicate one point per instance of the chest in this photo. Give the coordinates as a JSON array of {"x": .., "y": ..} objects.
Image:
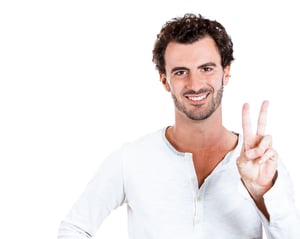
[
  {"x": 161, "y": 189},
  {"x": 205, "y": 163}
]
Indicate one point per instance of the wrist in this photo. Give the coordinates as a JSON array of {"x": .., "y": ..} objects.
[{"x": 256, "y": 190}]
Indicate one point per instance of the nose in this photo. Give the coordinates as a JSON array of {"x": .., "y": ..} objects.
[{"x": 195, "y": 82}]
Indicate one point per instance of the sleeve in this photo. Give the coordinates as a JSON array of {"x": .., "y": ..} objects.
[
  {"x": 284, "y": 215},
  {"x": 104, "y": 193}
]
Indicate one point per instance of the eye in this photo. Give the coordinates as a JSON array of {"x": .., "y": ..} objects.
[
  {"x": 206, "y": 69},
  {"x": 180, "y": 73}
]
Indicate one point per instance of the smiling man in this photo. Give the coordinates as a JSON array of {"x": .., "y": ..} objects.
[
  {"x": 199, "y": 74},
  {"x": 194, "y": 179}
]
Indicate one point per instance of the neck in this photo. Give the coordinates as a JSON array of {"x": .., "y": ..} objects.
[{"x": 190, "y": 136}]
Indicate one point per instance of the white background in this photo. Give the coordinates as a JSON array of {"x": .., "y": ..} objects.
[{"x": 77, "y": 81}]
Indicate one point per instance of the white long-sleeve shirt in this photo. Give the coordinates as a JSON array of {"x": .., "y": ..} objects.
[{"x": 159, "y": 186}]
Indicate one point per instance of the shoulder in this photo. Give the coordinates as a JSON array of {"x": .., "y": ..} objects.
[
  {"x": 146, "y": 142},
  {"x": 143, "y": 144}
]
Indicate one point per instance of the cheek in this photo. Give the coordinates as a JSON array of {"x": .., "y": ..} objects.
[
  {"x": 175, "y": 88},
  {"x": 219, "y": 82}
]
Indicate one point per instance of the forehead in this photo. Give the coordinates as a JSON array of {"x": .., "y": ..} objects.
[{"x": 200, "y": 52}]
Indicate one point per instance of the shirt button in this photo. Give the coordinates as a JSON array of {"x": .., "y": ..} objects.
[
  {"x": 198, "y": 198},
  {"x": 198, "y": 221}
]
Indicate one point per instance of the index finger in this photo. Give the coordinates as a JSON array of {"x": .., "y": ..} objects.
[{"x": 262, "y": 118}]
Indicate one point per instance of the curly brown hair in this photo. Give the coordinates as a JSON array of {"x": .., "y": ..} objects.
[{"x": 188, "y": 29}]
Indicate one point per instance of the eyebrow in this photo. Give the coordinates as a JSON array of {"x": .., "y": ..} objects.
[
  {"x": 179, "y": 68},
  {"x": 207, "y": 64},
  {"x": 199, "y": 67}
]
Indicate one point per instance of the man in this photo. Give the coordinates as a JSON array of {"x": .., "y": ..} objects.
[{"x": 195, "y": 179}]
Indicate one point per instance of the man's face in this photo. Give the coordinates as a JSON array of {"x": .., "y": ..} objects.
[{"x": 195, "y": 77}]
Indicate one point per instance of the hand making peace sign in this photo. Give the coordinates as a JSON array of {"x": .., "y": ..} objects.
[{"x": 257, "y": 162}]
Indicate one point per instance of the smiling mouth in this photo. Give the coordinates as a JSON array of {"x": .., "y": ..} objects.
[{"x": 197, "y": 98}]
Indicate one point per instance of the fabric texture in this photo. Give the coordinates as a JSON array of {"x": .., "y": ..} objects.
[{"x": 160, "y": 187}]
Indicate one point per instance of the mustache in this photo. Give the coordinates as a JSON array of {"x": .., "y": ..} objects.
[{"x": 200, "y": 91}]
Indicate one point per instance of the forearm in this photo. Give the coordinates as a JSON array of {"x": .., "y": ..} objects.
[
  {"x": 257, "y": 193},
  {"x": 277, "y": 210}
]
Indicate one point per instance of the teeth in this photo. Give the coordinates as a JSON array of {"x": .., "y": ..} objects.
[{"x": 197, "y": 98}]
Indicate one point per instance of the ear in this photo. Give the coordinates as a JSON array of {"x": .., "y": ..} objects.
[
  {"x": 226, "y": 74},
  {"x": 164, "y": 81}
]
